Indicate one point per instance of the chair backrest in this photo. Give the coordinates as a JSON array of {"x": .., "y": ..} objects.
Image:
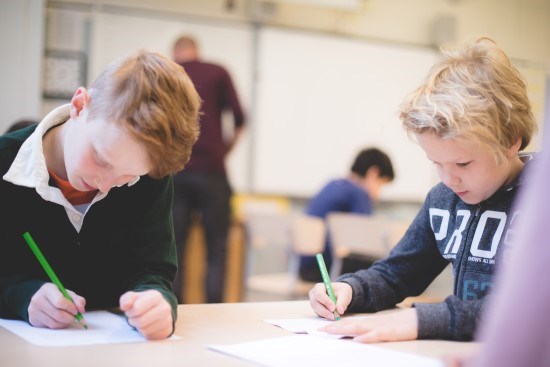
[
  {"x": 267, "y": 242},
  {"x": 308, "y": 234},
  {"x": 358, "y": 233},
  {"x": 276, "y": 243},
  {"x": 396, "y": 231}
]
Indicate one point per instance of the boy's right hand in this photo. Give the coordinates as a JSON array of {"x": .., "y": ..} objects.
[
  {"x": 49, "y": 308},
  {"x": 323, "y": 305}
]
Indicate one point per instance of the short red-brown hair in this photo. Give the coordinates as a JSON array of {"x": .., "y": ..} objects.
[{"x": 154, "y": 99}]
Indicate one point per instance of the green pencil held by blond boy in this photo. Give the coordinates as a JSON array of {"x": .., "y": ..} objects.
[
  {"x": 326, "y": 280},
  {"x": 55, "y": 280}
]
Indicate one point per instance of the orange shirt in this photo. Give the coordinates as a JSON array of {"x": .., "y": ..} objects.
[{"x": 74, "y": 196}]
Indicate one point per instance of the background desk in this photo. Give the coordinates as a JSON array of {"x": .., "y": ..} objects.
[
  {"x": 197, "y": 325},
  {"x": 194, "y": 264}
]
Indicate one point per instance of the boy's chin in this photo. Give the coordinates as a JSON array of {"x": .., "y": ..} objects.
[
  {"x": 471, "y": 201},
  {"x": 84, "y": 186}
]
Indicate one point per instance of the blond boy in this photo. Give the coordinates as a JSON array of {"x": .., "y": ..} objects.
[
  {"x": 471, "y": 117},
  {"x": 92, "y": 184}
]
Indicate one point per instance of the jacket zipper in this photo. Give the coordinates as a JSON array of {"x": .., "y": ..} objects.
[{"x": 461, "y": 260}]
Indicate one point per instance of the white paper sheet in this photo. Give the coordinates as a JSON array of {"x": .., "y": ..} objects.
[
  {"x": 309, "y": 326},
  {"x": 307, "y": 350},
  {"x": 103, "y": 328}
]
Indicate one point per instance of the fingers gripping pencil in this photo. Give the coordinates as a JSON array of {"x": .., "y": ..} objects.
[
  {"x": 326, "y": 280},
  {"x": 55, "y": 280}
]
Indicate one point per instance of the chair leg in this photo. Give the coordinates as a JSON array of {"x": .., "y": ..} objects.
[
  {"x": 293, "y": 269},
  {"x": 336, "y": 268}
]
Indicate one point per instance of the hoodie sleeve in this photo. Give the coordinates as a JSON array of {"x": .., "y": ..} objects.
[{"x": 451, "y": 320}]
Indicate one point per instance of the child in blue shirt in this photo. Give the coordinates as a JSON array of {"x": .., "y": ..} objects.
[{"x": 370, "y": 171}]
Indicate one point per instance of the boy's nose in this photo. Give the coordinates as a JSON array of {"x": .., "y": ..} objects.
[{"x": 450, "y": 179}]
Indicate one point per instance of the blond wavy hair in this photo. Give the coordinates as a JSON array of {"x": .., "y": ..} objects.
[
  {"x": 473, "y": 94},
  {"x": 154, "y": 99}
]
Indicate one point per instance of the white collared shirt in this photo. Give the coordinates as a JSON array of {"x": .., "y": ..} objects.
[{"x": 29, "y": 169}]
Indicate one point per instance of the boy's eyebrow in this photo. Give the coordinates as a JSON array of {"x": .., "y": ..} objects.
[{"x": 100, "y": 155}]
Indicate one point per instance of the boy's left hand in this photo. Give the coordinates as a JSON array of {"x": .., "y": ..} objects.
[
  {"x": 148, "y": 312},
  {"x": 393, "y": 326}
]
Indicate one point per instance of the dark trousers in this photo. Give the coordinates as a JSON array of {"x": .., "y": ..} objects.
[{"x": 208, "y": 195}]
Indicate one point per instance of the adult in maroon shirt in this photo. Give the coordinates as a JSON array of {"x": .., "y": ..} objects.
[{"x": 203, "y": 187}]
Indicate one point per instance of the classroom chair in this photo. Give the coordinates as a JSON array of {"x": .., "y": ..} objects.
[
  {"x": 395, "y": 231},
  {"x": 359, "y": 234},
  {"x": 278, "y": 240},
  {"x": 374, "y": 237}
]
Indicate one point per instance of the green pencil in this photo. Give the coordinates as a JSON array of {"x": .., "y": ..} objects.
[
  {"x": 51, "y": 274},
  {"x": 326, "y": 280}
]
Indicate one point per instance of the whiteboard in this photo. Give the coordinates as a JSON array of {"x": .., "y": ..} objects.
[
  {"x": 229, "y": 44},
  {"x": 321, "y": 99}
]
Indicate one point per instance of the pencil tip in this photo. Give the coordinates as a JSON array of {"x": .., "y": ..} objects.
[{"x": 85, "y": 326}]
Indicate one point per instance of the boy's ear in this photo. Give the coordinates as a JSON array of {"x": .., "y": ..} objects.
[
  {"x": 80, "y": 100},
  {"x": 373, "y": 171},
  {"x": 514, "y": 149}
]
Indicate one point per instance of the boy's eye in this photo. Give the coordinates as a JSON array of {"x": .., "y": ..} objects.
[
  {"x": 100, "y": 160},
  {"x": 465, "y": 164}
]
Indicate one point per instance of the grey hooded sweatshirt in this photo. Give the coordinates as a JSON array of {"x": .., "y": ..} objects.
[{"x": 472, "y": 238}]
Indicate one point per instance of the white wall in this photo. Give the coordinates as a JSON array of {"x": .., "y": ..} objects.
[
  {"x": 21, "y": 35},
  {"x": 227, "y": 44},
  {"x": 520, "y": 26},
  {"x": 317, "y": 108}
]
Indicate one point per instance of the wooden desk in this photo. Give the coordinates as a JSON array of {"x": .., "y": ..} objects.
[{"x": 198, "y": 324}]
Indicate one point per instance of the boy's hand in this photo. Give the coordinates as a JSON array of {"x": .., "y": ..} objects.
[
  {"x": 148, "y": 312},
  {"x": 49, "y": 308},
  {"x": 393, "y": 326},
  {"x": 322, "y": 304}
]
